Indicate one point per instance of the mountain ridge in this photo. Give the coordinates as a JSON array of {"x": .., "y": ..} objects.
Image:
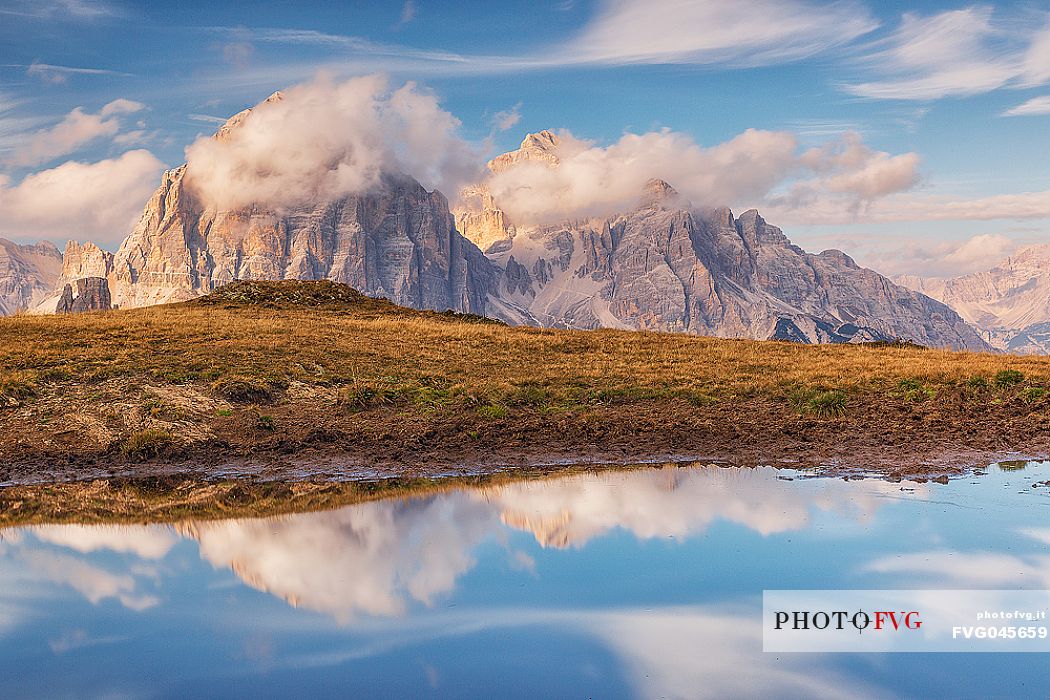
[{"x": 662, "y": 264}]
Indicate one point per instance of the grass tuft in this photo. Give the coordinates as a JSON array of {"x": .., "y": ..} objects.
[
  {"x": 147, "y": 443},
  {"x": 826, "y": 404}
]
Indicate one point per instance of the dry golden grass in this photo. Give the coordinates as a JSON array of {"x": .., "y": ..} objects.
[{"x": 380, "y": 352}]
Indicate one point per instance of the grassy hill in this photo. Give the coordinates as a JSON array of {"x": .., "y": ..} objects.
[{"x": 265, "y": 375}]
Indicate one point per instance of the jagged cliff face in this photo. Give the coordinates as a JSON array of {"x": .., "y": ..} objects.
[
  {"x": 397, "y": 241},
  {"x": 1010, "y": 303},
  {"x": 28, "y": 273},
  {"x": 668, "y": 266}
]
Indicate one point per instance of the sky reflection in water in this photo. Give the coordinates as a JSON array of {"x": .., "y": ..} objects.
[{"x": 621, "y": 584}]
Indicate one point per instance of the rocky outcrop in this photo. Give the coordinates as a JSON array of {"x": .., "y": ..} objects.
[
  {"x": 1010, "y": 303},
  {"x": 80, "y": 261},
  {"x": 27, "y": 274},
  {"x": 397, "y": 241},
  {"x": 668, "y": 266},
  {"x": 86, "y": 294}
]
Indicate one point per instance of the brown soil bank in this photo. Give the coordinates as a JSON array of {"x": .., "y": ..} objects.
[{"x": 312, "y": 380}]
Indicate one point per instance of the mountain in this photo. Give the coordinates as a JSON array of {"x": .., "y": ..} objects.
[
  {"x": 27, "y": 274},
  {"x": 663, "y": 265},
  {"x": 397, "y": 241},
  {"x": 1010, "y": 303},
  {"x": 668, "y": 266}
]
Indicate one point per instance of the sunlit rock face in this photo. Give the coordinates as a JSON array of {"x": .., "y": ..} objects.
[
  {"x": 28, "y": 273},
  {"x": 1009, "y": 303},
  {"x": 669, "y": 266}
]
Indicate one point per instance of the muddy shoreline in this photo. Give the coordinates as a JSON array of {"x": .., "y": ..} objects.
[{"x": 310, "y": 442}]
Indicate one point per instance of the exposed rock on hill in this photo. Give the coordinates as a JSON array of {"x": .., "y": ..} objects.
[{"x": 86, "y": 294}]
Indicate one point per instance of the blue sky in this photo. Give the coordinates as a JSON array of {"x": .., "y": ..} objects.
[{"x": 950, "y": 90}]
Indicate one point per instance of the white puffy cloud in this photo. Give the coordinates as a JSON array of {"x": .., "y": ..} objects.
[
  {"x": 324, "y": 139},
  {"x": 94, "y": 201},
  {"x": 75, "y": 130},
  {"x": 590, "y": 180},
  {"x": 739, "y": 32},
  {"x": 957, "y": 53}
]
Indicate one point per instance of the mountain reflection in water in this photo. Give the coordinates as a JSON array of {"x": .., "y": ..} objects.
[{"x": 649, "y": 581}]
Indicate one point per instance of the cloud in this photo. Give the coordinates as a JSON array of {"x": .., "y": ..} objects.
[
  {"x": 149, "y": 542},
  {"x": 63, "y": 10},
  {"x": 207, "y": 119},
  {"x": 955, "y": 53},
  {"x": 936, "y": 259},
  {"x": 95, "y": 201},
  {"x": 75, "y": 130},
  {"x": 1037, "y": 59},
  {"x": 1034, "y": 106},
  {"x": 849, "y": 167},
  {"x": 591, "y": 180},
  {"x": 408, "y": 13},
  {"x": 917, "y": 207},
  {"x": 507, "y": 119},
  {"x": 92, "y": 582},
  {"x": 953, "y": 569},
  {"x": 325, "y": 139},
  {"x": 736, "y": 32},
  {"x": 238, "y": 51},
  {"x": 59, "y": 75}
]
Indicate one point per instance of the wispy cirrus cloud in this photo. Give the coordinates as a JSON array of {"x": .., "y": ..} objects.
[
  {"x": 58, "y": 75},
  {"x": 956, "y": 53},
  {"x": 733, "y": 33},
  {"x": 68, "y": 10},
  {"x": 1033, "y": 107},
  {"x": 738, "y": 32}
]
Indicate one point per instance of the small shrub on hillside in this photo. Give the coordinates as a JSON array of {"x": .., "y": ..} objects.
[
  {"x": 1033, "y": 394},
  {"x": 1004, "y": 379},
  {"x": 977, "y": 383},
  {"x": 914, "y": 390}
]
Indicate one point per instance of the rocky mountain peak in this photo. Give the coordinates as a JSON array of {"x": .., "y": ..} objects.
[
  {"x": 541, "y": 147},
  {"x": 657, "y": 192}
]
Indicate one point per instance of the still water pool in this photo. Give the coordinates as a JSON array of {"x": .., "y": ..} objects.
[{"x": 644, "y": 583}]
